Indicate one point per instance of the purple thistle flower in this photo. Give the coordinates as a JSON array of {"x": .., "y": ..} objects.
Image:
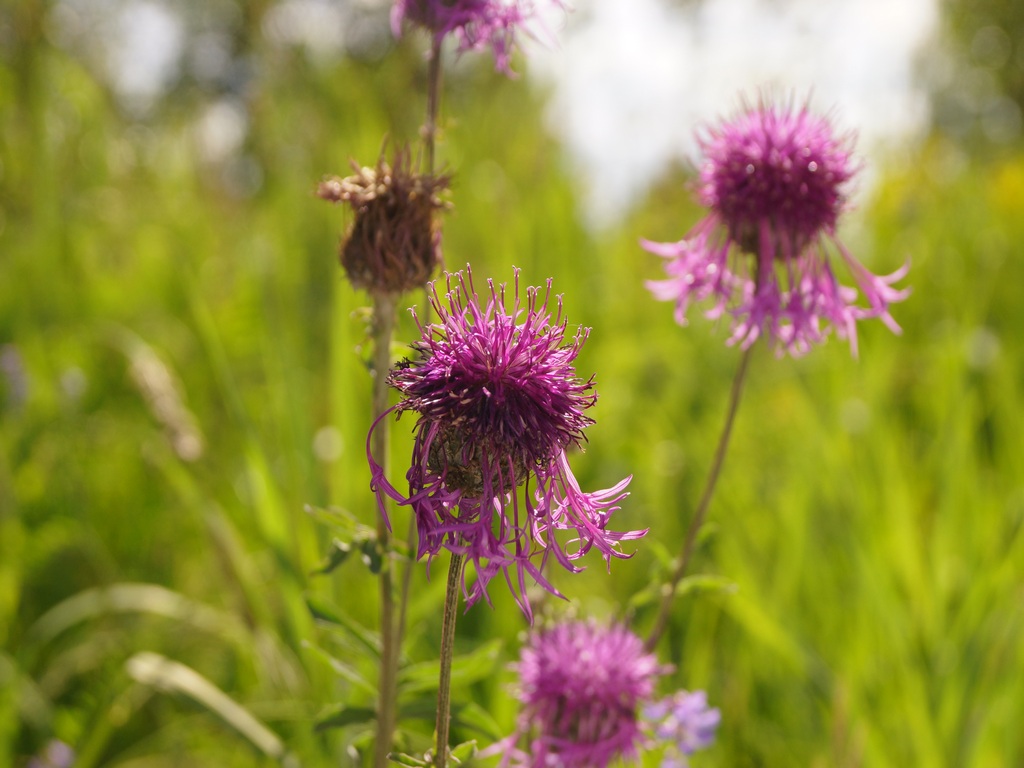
[
  {"x": 775, "y": 180},
  {"x": 587, "y": 694},
  {"x": 475, "y": 23},
  {"x": 684, "y": 723},
  {"x": 498, "y": 404},
  {"x": 581, "y": 686}
]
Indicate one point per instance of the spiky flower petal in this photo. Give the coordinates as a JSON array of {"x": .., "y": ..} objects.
[
  {"x": 775, "y": 179},
  {"x": 498, "y": 403}
]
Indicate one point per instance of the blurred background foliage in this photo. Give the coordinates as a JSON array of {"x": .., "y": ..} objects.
[
  {"x": 184, "y": 402},
  {"x": 977, "y": 74}
]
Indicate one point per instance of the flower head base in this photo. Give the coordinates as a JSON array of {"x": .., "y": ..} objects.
[
  {"x": 476, "y": 23},
  {"x": 498, "y": 404},
  {"x": 775, "y": 180},
  {"x": 587, "y": 694},
  {"x": 394, "y": 244}
]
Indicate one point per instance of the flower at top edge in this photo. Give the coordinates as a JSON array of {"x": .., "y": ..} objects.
[
  {"x": 775, "y": 180},
  {"x": 476, "y": 24}
]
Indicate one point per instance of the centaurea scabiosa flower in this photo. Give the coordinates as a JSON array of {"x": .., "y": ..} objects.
[
  {"x": 394, "y": 243},
  {"x": 476, "y": 24},
  {"x": 588, "y": 699},
  {"x": 498, "y": 403},
  {"x": 775, "y": 179}
]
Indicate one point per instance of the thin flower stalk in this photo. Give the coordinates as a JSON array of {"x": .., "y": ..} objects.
[
  {"x": 387, "y": 709},
  {"x": 392, "y": 246},
  {"x": 444, "y": 685},
  {"x": 700, "y": 515}
]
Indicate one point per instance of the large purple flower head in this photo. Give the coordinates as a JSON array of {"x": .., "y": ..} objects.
[
  {"x": 587, "y": 695},
  {"x": 476, "y": 24},
  {"x": 775, "y": 179},
  {"x": 498, "y": 403}
]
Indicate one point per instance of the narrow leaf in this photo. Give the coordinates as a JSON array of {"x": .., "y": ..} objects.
[
  {"x": 371, "y": 554},
  {"x": 466, "y": 669},
  {"x": 464, "y": 751},
  {"x": 171, "y": 676},
  {"x": 343, "y": 669},
  {"x": 343, "y": 716},
  {"x": 340, "y": 550},
  {"x": 325, "y": 613},
  {"x": 407, "y": 760}
]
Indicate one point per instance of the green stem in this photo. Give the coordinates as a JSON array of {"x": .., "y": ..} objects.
[
  {"x": 669, "y": 589},
  {"x": 429, "y": 141},
  {"x": 444, "y": 684},
  {"x": 433, "y": 101},
  {"x": 383, "y": 328}
]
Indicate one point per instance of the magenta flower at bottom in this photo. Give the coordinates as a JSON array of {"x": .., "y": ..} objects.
[
  {"x": 498, "y": 404},
  {"x": 775, "y": 181},
  {"x": 587, "y": 695}
]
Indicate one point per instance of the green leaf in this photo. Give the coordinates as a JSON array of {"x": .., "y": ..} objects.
[
  {"x": 164, "y": 674},
  {"x": 343, "y": 716},
  {"x": 647, "y": 595},
  {"x": 347, "y": 524},
  {"x": 464, "y": 751},
  {"x": 472, "y": 715},
  {"x": 343, "y": 669},
  {"x": 340, "y": 550},
  {"x": 326, "y": 614},
  {"x": 408, "y": 760},
  {"x": 466, "y": 669},
  {"x": 371, "y": 556},
  {"x": 699, "y": 582},
  {"x": 706, "y": 582}
]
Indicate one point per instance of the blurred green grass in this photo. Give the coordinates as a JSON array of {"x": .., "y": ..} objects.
[{"x": 176, "y": 343}]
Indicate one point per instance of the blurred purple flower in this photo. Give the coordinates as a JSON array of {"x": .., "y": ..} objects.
[
  {"x": 581, "y": 685},
  {"x": 56, "y": 754},
  {"x": 587, "y": 695},
  {"x": 775, "y": 180},
  {"x": 498, "y": 403},
  {"x": 683, "y": 723},
  {"x": 476, "y": 24}
]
